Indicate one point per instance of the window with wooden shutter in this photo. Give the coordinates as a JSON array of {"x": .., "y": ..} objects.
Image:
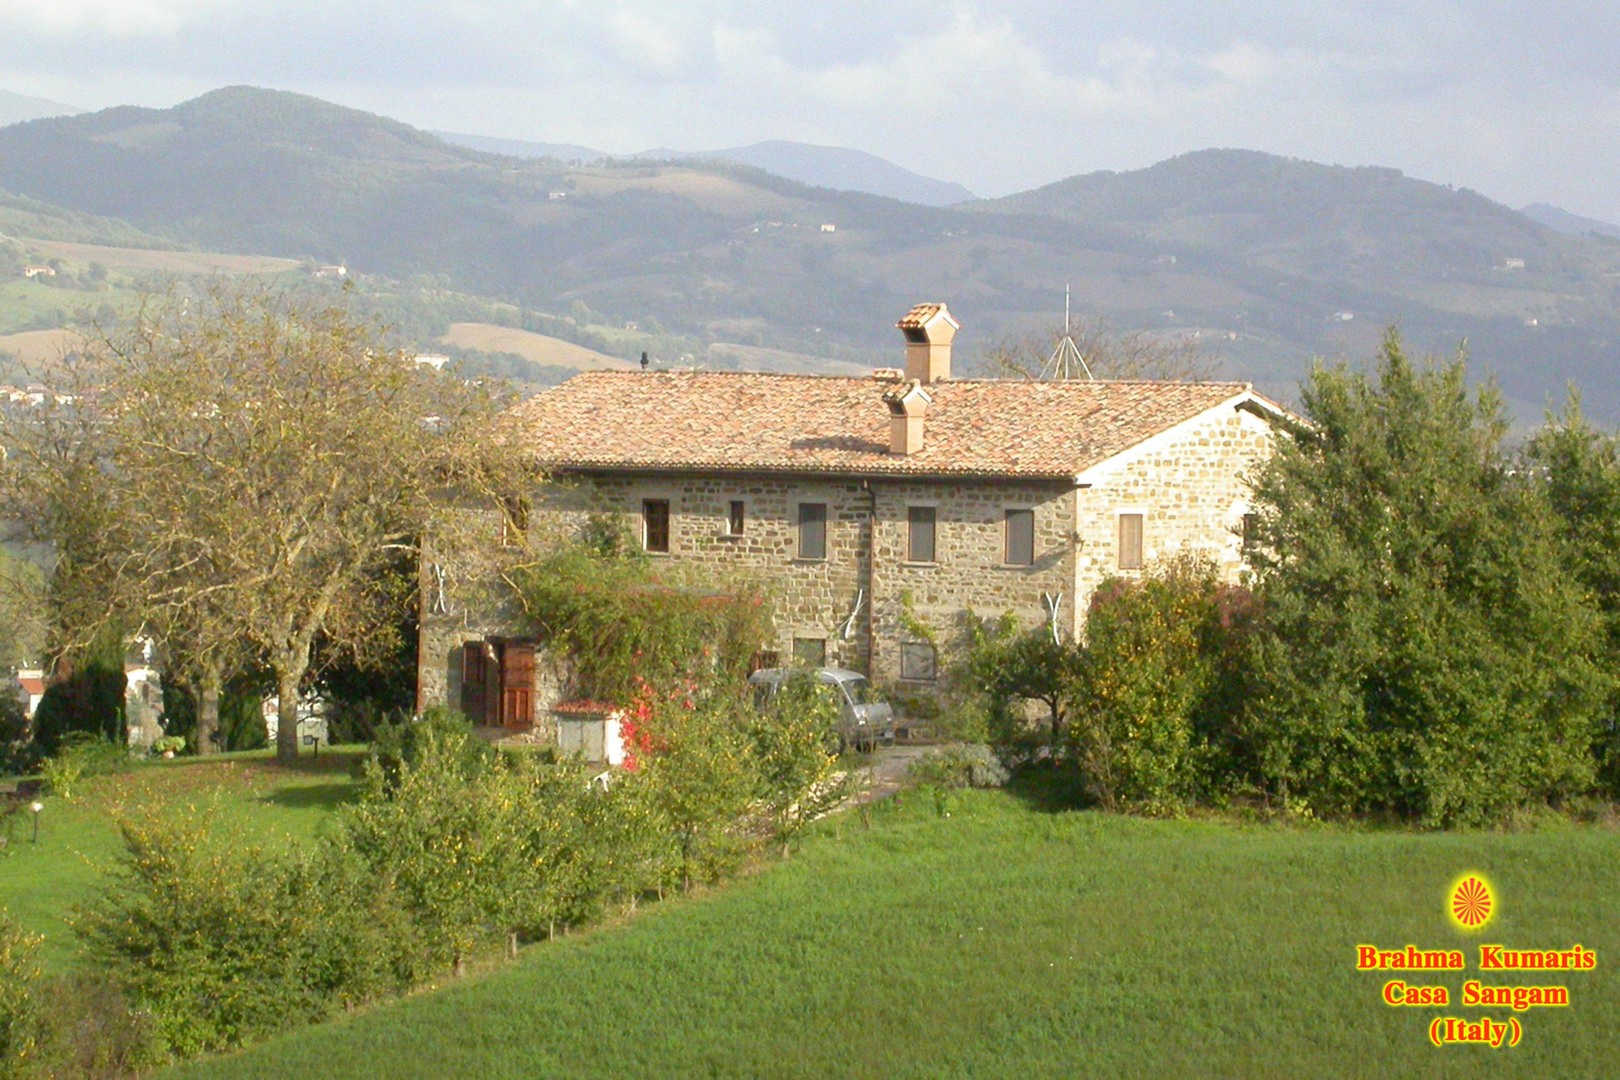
[
  {"x": 1020, "y": 537},
  {"x": 812, "y": 530},
  {"x": 734, "y": 518},
  {"x": 655, "y": 525},
  {"x": 474, "y": 681},
  {"x": 920, "y": 534},
  {"x": 1130, "y": 541}
]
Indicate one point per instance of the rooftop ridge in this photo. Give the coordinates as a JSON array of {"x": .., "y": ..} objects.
[{"x": 986, "y": 380}]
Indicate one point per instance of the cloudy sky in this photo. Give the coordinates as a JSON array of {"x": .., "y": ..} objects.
[{"x": 1518, "y": 100}]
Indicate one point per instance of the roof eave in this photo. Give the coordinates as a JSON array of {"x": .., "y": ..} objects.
[{"x": 666, "y": 469}]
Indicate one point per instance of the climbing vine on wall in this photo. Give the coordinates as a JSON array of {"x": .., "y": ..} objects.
[{"x": 625, "y": 622}]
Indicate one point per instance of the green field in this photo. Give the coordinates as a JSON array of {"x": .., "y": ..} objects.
[
  {"x": 1009, "y": 940},
  {"x": 245, "y": 799}
]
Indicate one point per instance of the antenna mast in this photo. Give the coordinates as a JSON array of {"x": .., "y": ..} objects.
[{"x": 1066, "y": 361}]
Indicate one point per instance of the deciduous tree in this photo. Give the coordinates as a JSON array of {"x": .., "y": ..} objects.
[
  {"x": 258, "y": 465},
  {"x": 1108, "y": 353},
  {"x": 1427, "y": 651}
]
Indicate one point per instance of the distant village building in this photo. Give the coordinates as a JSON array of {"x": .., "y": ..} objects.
[
  {"x": 555, "y": 195},
  {"x": 1513, "y": 263},
  {"x": 31, "y": 682},
  {"x": 332, "y": 270},
  {"x": 436, "y": 361},
  {"x": 33, "y": 395},
  {"x": 828, "y": 226},
  {"x": 38, "y": 271},
  {"x": 877, "y": 509}
]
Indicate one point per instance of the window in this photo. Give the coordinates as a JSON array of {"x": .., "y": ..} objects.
[
  {"x": 920, "y": 534},
  {"x": 809, "y": 652},
  {"x": 655, "y": 524},
  {"x": 918, "y": 660},
  {"x": 1020, "y": 537},
  {"x": 1130, "y": 541},
  {"x": 1251, "y": 533},
  {"x": 812, "y": 530},
  {"x": 734, "y": 518}
]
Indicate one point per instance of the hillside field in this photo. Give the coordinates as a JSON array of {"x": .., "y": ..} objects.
[
  {"x": 538, "y": 348},
  {"x": 39, "y": 348},
  {"x": 989, "y": 935},
  {"x": 160, "y": 260}
]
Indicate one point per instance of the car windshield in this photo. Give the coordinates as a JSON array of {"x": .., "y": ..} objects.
[{"x": 860, "y": 691}]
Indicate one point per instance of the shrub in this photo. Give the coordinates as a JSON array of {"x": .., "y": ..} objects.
[
  {"x": 22, "y": 1017},
  {"x": 434, "y": 831},
  {"x": 226, "y": 944},
  {"x": 79, "y": 756},
  {"x": 1006, "y": 667},
  {"x": 1146, "y": 671},
  {"x": 702, "y": 778},
  {"x": 18, "y": 752},
  {"x": 409, "y": 742},
  {"x": 93, "y": 1031},
  {"x": 791, "y": 748},
  {"x": 90, "y": 699},
  {"x": 522, "y": 845},
  {"x": 951, "y": 767},
  {"x": 168, "y": 744}
]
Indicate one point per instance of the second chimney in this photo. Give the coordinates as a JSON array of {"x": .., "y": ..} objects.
[
  {"x": 907, "y": 405},
  {"x": 929, "y": 329}
]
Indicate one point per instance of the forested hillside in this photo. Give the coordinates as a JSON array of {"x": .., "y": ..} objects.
[{"x": 1264, "y": 261}]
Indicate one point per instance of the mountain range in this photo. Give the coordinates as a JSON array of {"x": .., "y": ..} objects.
[
  {"x": 1565, "y": 222},
  {"x": 836, "y": 167},
  {"x": 15, "y": 108},
  {"x": 1264, "y": 261}
]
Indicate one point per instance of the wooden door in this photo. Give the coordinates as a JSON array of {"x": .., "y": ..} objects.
[{"x": 517, "y": 684}]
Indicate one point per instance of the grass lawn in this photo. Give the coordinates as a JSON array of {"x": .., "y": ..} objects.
[
  {"x": 243, "y": 798},
  {"x": 1007, "y": 940}
]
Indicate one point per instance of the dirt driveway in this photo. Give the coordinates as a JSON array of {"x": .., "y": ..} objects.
[{"x": 884, "y": 771}]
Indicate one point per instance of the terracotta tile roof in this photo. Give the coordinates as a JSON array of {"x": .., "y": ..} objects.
[
  {"x": 586, "y": 706},
  {"x": 745, "y": 422},
  {"x": 918, "y": 316}
]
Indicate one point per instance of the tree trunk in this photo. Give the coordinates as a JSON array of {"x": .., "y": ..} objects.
[
  {"x": 208, "y": 691},
  {"x": 287, "y": 681}
]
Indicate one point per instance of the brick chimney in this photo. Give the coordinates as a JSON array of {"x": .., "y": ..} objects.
[
  {"x": 907, "y": 404},
  {"x": 929, "y": 329}
]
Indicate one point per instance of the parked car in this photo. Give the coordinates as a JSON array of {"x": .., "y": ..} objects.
[{"x": 864, "y": 719}]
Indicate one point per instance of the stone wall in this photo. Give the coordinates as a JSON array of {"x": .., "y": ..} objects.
[
  {"x": 970, "y": 572},
  {"x": 1191, "y": 486}
]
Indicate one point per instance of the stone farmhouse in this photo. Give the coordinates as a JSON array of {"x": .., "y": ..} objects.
[{"x": 878, "y": 508}]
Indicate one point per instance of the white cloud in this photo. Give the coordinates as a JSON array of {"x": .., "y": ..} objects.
[
  {"x": 119, "y": 18},
  {"x": 648, "y": 43}
]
